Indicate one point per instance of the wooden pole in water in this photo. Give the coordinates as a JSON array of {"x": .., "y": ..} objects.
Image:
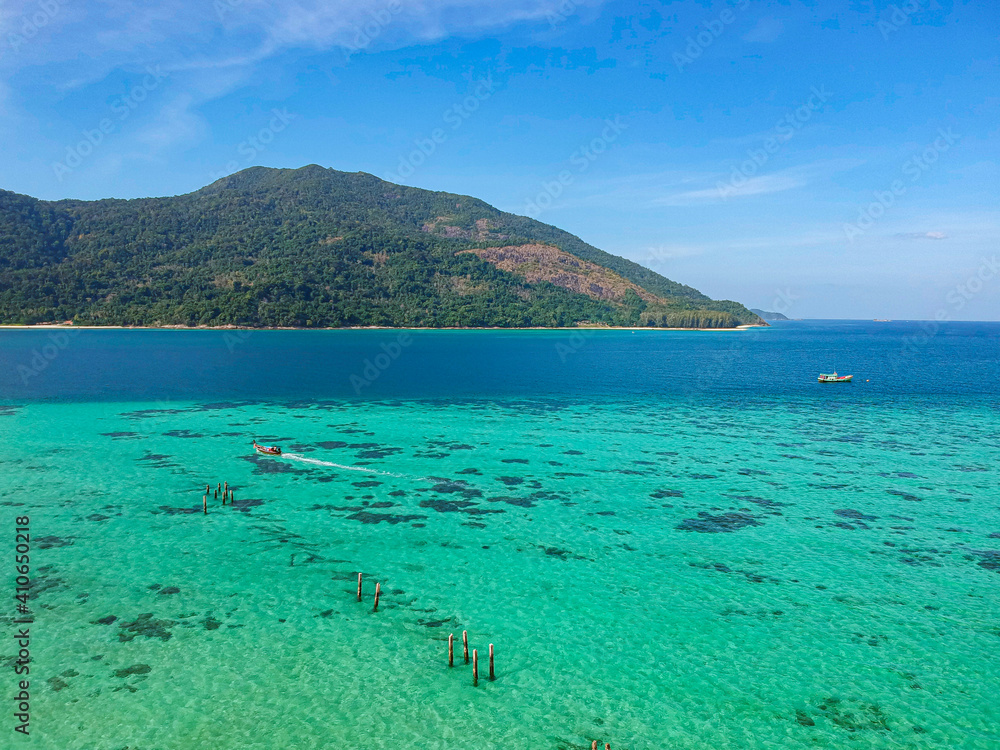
[
  {"x": 593, "y": 745},
  {"x": 492, "y": 675},
  {"x": 204, "y": 504},
  {"x": 607, "y": 746},
  {"x": 218, "y": 487},
  {"x": 465, "y": 645},
  {"x": 451, "y": 649},
  {"x": 378, "y": 590},
  {"x": 230, "y": 497},
  {"x": 359, "y": 587},
  {"x": 475, "y": 667}
]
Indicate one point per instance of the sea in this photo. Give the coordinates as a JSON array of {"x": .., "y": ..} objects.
[{"x": 670, "y": 539}]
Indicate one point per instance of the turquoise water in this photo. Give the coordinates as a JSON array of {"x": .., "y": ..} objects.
[{"x": 666, "y": 555}]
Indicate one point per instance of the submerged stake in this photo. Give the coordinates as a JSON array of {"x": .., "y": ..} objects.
[
  {"x": 378, "y": 590},
  {"x": 451, "y": 649},
  {"x": 465, "y": 644},
  {"x": 204, "y": 504},
  {"x": 475, "y": 667},
  {"x": 492, "y": 676},
  {"x": 359, "y": 587}
]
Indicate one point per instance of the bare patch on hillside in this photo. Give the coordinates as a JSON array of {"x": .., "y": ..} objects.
[{"x": 538, "y": 263}]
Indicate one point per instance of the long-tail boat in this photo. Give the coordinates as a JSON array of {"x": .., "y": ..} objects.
[{"x": 267, "y": 450}]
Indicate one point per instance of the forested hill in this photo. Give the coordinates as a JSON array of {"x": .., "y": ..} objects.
[{"x": 317, "y": 247}]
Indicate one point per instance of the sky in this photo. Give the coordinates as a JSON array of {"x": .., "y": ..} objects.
[{"x": 825, "y": 159}]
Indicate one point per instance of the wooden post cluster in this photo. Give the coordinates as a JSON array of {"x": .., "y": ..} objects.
[
  {"x": 475, "y": 656},
  {"x": 227, "y": 495}
]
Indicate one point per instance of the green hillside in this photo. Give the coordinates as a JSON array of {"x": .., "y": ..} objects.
[{"x": 317, "y": 247}]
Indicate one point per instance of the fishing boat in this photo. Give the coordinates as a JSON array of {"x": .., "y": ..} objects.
[
  {"x": 835, "y": 378},
  {"x": 267, "y": 450}
]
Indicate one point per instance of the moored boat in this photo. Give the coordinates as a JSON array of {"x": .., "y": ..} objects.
[
  {"x": 835, "y": 378},
  {"x": 267, "y": 450}
]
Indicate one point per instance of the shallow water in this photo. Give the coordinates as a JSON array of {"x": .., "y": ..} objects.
[{"x": 687, "y": 561}]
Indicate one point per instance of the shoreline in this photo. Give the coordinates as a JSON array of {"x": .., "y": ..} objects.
[{"x": 63, "y": 327}]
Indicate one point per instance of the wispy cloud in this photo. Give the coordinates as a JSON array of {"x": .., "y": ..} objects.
[
  {"x": 108, "y": 33},
  {"x": 922, "y": 236},
  {"x": 766, "y": 31},
  {"x": 769, "y": 183},
  {"x": 777, "y": 182}
]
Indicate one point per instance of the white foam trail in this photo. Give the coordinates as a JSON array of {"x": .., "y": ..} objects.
[{"x": 317, "y": 462}]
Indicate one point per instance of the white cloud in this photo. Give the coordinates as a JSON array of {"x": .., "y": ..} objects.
[
  {"x": 110, "y": 33},
  {"x": 922, "y": 235},
  {"x": 770, "y": 183},
  {"x": 176, "y": 123},
  {"x": 728, "y": 187},
  {"x": 766, "y": 31}
]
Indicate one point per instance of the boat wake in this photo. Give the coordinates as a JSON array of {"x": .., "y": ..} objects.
[{"x": 331, "y": 464}]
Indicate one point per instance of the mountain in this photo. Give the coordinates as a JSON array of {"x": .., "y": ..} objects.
[
  {"x": 766, "y": 315},
  {"x": 317, "y": 247}
]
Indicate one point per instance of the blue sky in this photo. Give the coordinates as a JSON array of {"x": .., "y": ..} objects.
[{"x": 826, "y": 158}]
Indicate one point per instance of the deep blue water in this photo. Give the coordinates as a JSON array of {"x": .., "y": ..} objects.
[{"x": 893, "y": 358}]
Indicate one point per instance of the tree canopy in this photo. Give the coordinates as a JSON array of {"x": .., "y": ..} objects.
[{"x": 310, "y": 247}]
